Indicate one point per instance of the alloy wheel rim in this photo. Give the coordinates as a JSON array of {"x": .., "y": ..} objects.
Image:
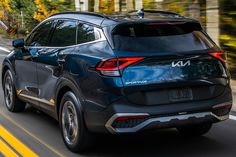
[
  {"x": 8, "y": 91},
  {"x": 69, "y": 122}
]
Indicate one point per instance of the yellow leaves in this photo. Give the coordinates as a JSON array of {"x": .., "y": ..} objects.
[
  {"x": 232, "y": 13},
  {"x": 1, "y": 14},
  {"x": 225, "y": 37},
  {"x": 42, "y": 11},
  {"x": 6, "y": 5},
  {"x": 228, "y": 40},
  {"x": 106, "y": 6}
]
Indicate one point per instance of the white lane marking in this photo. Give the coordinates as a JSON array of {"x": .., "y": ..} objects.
[
  {"x": 232, "y": 117},
  {"x": 4, "y": 49}
]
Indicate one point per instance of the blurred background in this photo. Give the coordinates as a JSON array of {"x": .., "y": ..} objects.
[{"x": 218, "y": 17}]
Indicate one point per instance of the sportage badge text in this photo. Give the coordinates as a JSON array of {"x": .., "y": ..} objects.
[{"x": 181, "y": 63}]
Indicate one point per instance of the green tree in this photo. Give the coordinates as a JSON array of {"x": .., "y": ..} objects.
[
  {"x": 23, "y": 15},
  {"x": 23, "y": 11}
]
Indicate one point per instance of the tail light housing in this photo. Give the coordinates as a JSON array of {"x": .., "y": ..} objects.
[
  {"x": 112, "y": 66},
  {"x": 219, "y": 55}
]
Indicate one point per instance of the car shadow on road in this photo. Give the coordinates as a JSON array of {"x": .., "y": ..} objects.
[{"x": 165, "y": 142}]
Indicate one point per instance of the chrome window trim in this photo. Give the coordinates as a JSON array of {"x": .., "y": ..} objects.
[
  {"x": 55, "y": 19},
  {"x": 103, "y": 38}
]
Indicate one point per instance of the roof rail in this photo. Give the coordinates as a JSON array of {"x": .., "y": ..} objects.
[
  {"x": 82, "y": 13},
  {"x": 141, "y": 12}
]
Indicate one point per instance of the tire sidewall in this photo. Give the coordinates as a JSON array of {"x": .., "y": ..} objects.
[
  {"x": 74, "y": 98},
  {"x": 12, "y": 108}
]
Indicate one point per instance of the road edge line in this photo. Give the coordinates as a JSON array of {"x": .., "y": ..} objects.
[
  {"x": 6, "y": 150},
  {"x": 32, "y": 135},
  {"x": 18, "y": 145}
]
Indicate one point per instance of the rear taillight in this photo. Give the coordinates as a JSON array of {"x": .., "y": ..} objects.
[
  {"x": 112, "y": 66},
  {"x": 219, "y": 55}
]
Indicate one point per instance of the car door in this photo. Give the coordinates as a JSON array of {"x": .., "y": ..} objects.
[
  {"x": 26, "y": 66},
  {"x": 48, "y": 69}
]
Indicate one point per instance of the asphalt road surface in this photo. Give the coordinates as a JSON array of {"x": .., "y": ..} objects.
[{"x": 39, "y": 134}]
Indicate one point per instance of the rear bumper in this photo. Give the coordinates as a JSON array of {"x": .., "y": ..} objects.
[
  {"x": 164, "y": 122},
  {"x": 159, "y": 116}
]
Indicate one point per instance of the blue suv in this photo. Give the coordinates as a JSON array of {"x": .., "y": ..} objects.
[{"x": 119, "y": 74}]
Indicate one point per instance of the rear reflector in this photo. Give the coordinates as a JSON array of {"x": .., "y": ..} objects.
[
  {"x": 225, "y": 106},
  {"x": 129, "y": 121},
  {"x": 131, "y": 117},
  {"x": 112, "y": 66},
  {"x": 222, "y": 109},
  {"x": 219, "y": 55}
]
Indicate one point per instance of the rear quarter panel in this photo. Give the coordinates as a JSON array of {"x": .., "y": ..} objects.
[{"x": 97, "y": 90}]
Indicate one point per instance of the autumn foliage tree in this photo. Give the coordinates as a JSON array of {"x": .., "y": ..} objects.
[
  {"x": 5, "y": 9},
  {"x": 6, "y": 5},
  {"x": 23, "y": 15},
  {"x": 46, "y": 8},
  {"x": 228, "y": 32},
  {"x": 42, "y": 11}
]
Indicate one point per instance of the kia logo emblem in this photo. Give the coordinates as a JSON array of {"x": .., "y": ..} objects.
[{"x": 181, "y": 63}]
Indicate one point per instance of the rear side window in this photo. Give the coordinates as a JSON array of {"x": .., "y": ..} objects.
[
  {"x": 64, "y": 34},
  {"x": 85, "y": 33},
  {"x": 160, "y": 37},
  {"x": 40, "y": 36}
]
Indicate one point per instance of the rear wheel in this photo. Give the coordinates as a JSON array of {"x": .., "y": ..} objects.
[
  {"x": 195, "y": 130},
  {"x": 12, "y": 102},
  {"x": 73, "y": 130}
]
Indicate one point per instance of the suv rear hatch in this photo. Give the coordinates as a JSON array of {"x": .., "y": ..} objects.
[{"x": 180, "y": 62}]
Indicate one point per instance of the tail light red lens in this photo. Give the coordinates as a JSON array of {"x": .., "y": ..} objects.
[
  {"x": 111, "y": 67},
  {"x": 219, "y": 55}
]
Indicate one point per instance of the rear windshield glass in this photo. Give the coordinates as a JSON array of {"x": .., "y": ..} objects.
[{"x": 160, "y": 37}]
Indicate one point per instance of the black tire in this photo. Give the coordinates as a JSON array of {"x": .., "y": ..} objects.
[
  {"x": 83, "y": 138},
  {"x": 12, "y": 102},
  {"x": 195, "y": 130}
]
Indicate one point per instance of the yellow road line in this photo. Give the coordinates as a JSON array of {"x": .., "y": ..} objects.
[
  {"x": 16, "y": 144},
  {"x": 6, "y": 151},
  {"x": 32, "y": 135}
]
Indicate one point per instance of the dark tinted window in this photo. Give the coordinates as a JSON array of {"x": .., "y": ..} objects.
[
  {"x": 40, "y": 37},
  {"x": 64, "y": 34},
  {"x": 85, "y": 33},
  {"x": 153, "y": 37}
]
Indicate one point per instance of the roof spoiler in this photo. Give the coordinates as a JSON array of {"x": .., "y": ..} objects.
[{"x": 142, "y": 12}]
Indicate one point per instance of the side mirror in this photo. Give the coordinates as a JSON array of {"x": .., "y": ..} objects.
[{"x": 18, "y": 43}]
